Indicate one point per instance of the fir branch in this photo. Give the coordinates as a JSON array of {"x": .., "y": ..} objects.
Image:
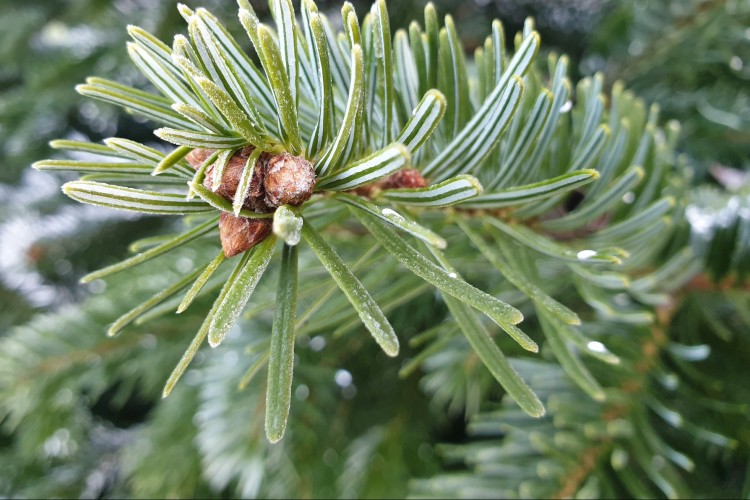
[{"x": 306, "y": 113}]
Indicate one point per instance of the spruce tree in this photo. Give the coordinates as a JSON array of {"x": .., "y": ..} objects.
[{"x": 379, "y": 235}]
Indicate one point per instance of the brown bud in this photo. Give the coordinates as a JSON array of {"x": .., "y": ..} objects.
[
  {"x": 230, "y": 180},
  {"x": 288, "y": 180},
  {"x": 367, "y": 190},
  {"x": 277, "y": 180},
  {"x": 196, "y": 157},
  {"x": 239, "y": 234},
  {"x": 408, "y": 178}
]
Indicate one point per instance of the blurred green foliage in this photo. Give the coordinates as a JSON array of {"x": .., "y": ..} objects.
[{"x": 691, "y": 57}]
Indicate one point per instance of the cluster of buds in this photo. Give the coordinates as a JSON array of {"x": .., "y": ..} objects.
[{"x": 278, "y": 179}]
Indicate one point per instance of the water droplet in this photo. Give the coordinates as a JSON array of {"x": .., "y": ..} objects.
[
  {"x": 63, "y": 267},
  {"x": 287, "y": 226},
  {"x": 636, "y": 48},
  {"x": 567, "y": 106},
  {"x": 230, "y": 358},
  {"x": 63, "y": 398},
  {"x": 343, "y": 378},
  {"x": 349, "y": 391},
  {"x": 619, "y": 459},
  {"x": 628, "y": 197},
  {"x": 59, "y": 444},
  {"x": 391, "y": 214},
  {"x": 97, "y": 286},
  {"x": 736, "y": 63},
  {"x": 670, "y": 381},
  {"x": 595, "y": 346},
  {"x": 301, "y": 392},
  {"x": 317, "y": 343},
  {"x": 149, "y": 341},
  {"x": 184, "y": 265},
  {"x": 586, "y": 254},
  {"x": 452, "y": 275}
]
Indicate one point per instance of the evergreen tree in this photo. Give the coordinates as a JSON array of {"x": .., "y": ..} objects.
[{"x": 421, "y": 273}]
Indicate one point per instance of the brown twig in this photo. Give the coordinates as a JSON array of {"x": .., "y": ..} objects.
[{"x": 651, "y": 348}]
